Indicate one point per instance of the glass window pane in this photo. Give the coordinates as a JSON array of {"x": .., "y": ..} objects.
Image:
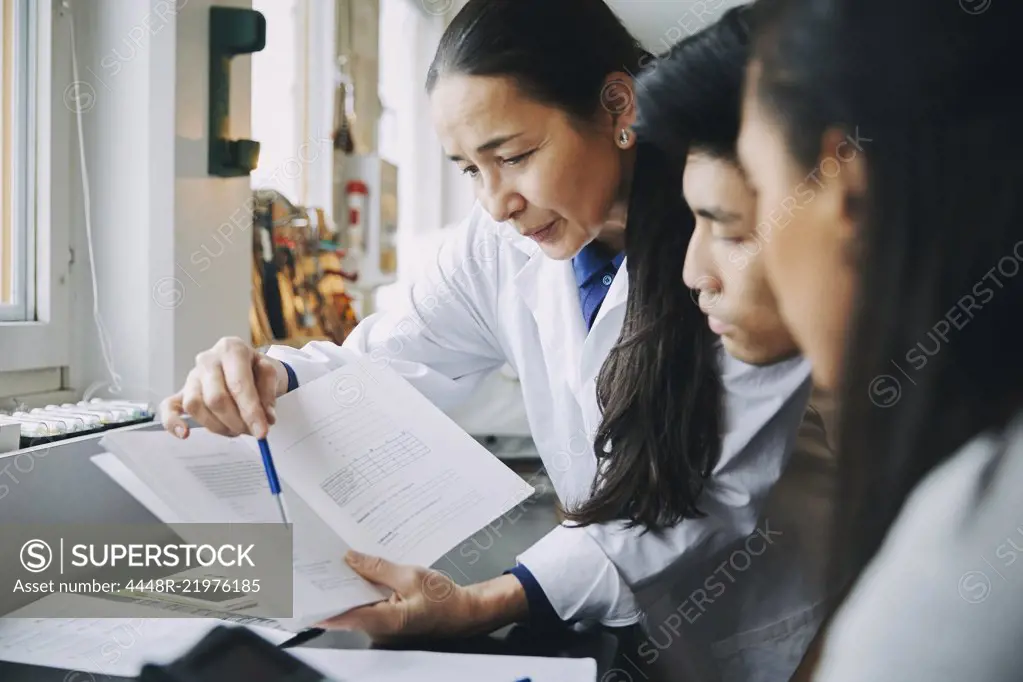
[
  {"x": 6, "y": 225},
  {"x": 16, "y": 172}
]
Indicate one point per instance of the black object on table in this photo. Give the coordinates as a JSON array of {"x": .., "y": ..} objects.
[{"x": 229, "y": 653}]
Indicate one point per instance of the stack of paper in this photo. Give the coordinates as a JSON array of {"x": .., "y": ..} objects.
[{"x": 109, "y": 646}]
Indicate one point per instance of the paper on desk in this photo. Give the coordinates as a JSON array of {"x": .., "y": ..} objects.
[
  {"x": 385, "y": 468},
  {"x": 220, "y": 480},
  {"x": 126, "y": 478},
  {"x": 421, "y": 666},
  {"x": 109, "y": 646}
]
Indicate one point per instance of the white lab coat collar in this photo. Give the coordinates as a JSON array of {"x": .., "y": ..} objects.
[
  {"x": 607, "y": 326},
  {"x": 524, "y": 244},
  {"x": 548, "y": 288}
]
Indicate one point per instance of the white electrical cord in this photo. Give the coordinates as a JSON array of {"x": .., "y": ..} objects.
[{"x": 101, "y": 330}]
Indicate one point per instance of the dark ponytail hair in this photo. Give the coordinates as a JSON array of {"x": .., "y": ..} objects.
[
  {"x": 691, "y": 98},
  {"x": 660, "y": 388},
  {"x": 933, "y": 358},
  {"x": 558, "y": 52}
]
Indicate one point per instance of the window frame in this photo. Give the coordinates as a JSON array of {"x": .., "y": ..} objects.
[
  {"x": 17, "y": 115},
  {"x": 44, "y": 342}
]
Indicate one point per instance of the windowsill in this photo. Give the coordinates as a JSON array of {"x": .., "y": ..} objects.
[
  {"x": 30, "y": 401},
  {"x": 20, "y": 324},
  {"x": 32, "y": 387},
  {"x": 28, "y": 346}
]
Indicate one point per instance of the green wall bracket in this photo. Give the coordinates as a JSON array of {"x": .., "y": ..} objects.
[{"x": 233, "y": 31}]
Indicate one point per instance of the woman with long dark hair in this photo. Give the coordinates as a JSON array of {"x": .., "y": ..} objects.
[
  {"x": 887, "y": 136},
  {"x": 532, "y": 99}
]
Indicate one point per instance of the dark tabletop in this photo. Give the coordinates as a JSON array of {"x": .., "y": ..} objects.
[{"x": 59, "y": 483}]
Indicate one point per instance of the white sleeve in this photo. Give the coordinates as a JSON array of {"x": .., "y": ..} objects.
[
  {"x": 940, "y": 600},
  {"x": 586, "y": 573},
  {"x": 579, "y": 579},
  {"x": 442, "y": 336}
]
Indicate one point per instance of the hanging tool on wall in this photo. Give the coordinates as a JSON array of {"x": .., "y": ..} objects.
[{"x": 344, "y": 108}]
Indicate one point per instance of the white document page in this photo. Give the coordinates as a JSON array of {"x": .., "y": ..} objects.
[
  {"x": 422, "y": 666},
  {"x": 385, "y": 468},
  {"x": 126, "y": 478},
  {"x": 204, "y": 479},
  {"x": 108, "y": 646},
  {"x": 209, "y": 479}
]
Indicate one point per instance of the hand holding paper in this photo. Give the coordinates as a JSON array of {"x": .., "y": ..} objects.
[
  {"x": 428, "y": 602},
  {"x": 365, "y": 461}
]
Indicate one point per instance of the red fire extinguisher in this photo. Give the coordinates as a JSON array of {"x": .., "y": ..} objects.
[{"x": 357, "y": 197}]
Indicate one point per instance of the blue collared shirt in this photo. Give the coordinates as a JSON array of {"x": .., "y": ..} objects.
[{"x": 595, "y": 268}]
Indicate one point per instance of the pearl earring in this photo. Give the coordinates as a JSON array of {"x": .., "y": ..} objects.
[{"x": 623, "y": 138}]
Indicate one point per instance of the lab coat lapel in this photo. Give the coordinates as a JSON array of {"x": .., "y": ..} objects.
[
  {"x": 604, "y": 333},
  {"x": 549, "y": 290},
  {"x": 606, "y": 327}
]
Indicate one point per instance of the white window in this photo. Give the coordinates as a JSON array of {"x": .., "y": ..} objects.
[
  {"x": 37, "y": 99},
  {"x": 409, "y": 33},
  {"x": 398, "y": 23},
  {"x": 292, "y": 101},
  {"x": 16, "y": 272}
]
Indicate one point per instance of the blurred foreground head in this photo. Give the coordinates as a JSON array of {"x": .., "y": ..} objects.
[{"x": 884, "y": 136}]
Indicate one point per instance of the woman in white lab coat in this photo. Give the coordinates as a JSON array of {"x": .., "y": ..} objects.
[
  {"x": 532, "y": 100},
  {"x": 902, "y": 283}
]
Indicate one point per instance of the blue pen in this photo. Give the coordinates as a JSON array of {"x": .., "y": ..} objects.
[{"x": 271, "y": 476}]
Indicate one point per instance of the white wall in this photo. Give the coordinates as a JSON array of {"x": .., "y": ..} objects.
[
  {"x": 172, "y": 244},
  {"x": 212, "y": 216},
  {"x": 421, "y": 166},
  {"x": 659, "y": 24},
  {"x": 458, "y": 190},
  {"x": 293, "y": 101},
  {"x": 318, "y": 169},
  {"x": 277, "y": 96},
  {"x": 119, "y": 59}
]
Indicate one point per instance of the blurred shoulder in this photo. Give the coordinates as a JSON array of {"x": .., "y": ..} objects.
[{"x": 947, "y": 562}]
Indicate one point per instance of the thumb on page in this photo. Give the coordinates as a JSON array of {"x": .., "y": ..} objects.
[
  {"x": 172, "y": 412},
  {"x": 380, "y": 571}
]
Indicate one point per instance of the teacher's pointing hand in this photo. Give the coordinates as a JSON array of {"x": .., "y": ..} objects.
[{"x": 231, "y": 390}]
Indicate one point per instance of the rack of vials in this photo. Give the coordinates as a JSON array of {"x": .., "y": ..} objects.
[{"x": 57, "y": 422}]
